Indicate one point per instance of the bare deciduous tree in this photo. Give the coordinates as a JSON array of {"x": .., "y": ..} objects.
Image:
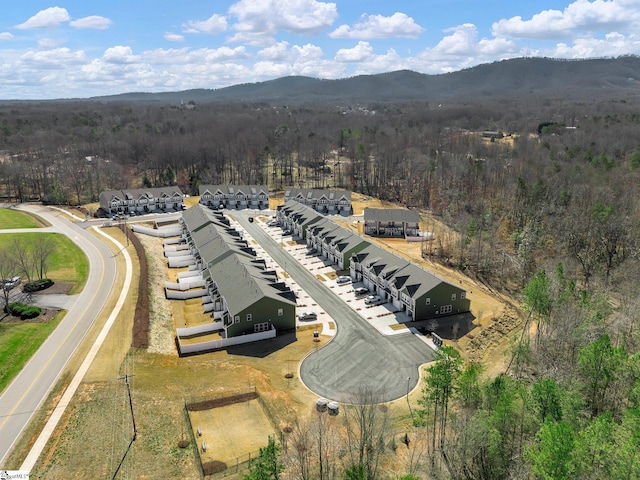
[{"x": 367, "y": 426}]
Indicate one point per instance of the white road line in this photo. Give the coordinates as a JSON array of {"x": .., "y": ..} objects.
[{"x": 46, "y": 433}]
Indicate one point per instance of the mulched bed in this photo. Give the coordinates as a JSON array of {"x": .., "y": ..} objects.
[
  {"x": 45, "y": 317},
  {"x": 62, "y": 288},
  {"x": 141, "y": 316}
]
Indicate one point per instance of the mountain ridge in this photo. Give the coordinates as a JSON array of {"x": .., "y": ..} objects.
[{"x": 533, "y": 75}]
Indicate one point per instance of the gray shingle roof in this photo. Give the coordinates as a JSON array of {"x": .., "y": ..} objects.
[{"x": 391, "y": 215}]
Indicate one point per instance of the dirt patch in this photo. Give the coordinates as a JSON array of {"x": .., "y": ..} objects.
[
  {"x": 161, "y": 331},
  {"x": 398, "y": 326},
  {"x": 241, "y": 427}
]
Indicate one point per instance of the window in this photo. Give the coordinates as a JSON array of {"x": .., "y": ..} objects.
[
  {"x": 463, "y": 295},
  {"x": 280, "y": 312},
  {"x": 446, "y": 309},
  {"x": 248, "y": 317},
  {"x": 236, "y": 319},
  {"x": 261, "y": 327},
  {"x": 453, "y": 297},
  {"x": 427, "y": 301}
]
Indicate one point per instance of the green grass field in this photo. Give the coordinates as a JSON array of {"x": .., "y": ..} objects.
[
  {"x": 18, "y": 342},
  {"x": 67, "y": 264},
  {"x": 10, "y": 218}
]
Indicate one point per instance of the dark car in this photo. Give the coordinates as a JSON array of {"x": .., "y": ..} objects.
[{"x": 250, "y": 219}]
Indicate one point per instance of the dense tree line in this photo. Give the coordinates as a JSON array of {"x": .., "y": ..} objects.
[{"x": 549, "y": 213}]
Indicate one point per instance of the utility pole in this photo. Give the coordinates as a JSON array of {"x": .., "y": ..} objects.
[{"x": 134, "y": 433}]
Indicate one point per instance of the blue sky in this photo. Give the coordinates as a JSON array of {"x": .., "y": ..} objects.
[{"x": 81, "y": 48}]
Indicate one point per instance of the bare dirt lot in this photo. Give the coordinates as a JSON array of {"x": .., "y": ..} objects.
[{"x": 240, "y": 427}]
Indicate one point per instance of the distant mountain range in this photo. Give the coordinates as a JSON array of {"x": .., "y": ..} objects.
[{"x": 520, "y": 76}]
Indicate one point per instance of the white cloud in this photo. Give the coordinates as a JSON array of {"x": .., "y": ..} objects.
[
  {"x": 48, "y": 43},
  {"x": 579, "y": 16},
  {"x": 214, "y": 25},
  {"x": 49, "y": 18},
  {"x": 94, "y": 22},
  {"x": 5, "y": 36},
  {"x": 612, "y": 45},
  {"x": 387, "y": 62},
  {"x": 277, "y": 52},
  {"x": 166, "y": 56},
  {"x": 259, "y": 21},
  {"x": 461, "y": 41},
  {"x": 379, "y": 26},
  {"x": 182, "y": 56},
  {"x": 53, "y": 58},
  {"x": 173, "y": 37},
  {"x": 217, "y": 55},
  {"x": 120, "y": 55},
  {"x": 359, "y": 53}
]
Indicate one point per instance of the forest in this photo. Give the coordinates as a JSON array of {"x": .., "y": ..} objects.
[{"x": 547, "y": 212}]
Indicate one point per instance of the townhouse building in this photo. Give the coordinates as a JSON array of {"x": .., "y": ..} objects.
[
  {"x": 297, "y": 217},
  {"x": 234, "y": 196},
  {"x": 408, "y": 287},
  {"x": 328, "y": 202},
  {"x": 247, "y": 296},
  {"x": 391, "y": 222},
  {"x": 141, "y": 200}
]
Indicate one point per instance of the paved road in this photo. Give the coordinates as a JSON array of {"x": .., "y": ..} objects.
[
  {"x": 358, "y": 357},
  {"x": 30, "y": 388}
]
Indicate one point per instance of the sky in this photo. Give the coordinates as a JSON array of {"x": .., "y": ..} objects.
[{"x": 82, "y": 48}]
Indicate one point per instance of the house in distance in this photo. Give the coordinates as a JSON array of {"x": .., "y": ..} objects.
[
  {"x": 141, "y": 201},
  {"x": 391, "y": 222}
]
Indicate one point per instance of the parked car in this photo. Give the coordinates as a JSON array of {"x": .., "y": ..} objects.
[
  {"x": 250, "y": 219},
  {"x": 343, "y": 279},
  {"x": 373, "y": 300},
  {"x": 11, "y": 283},
  {"x": 307, "y": 316},
  {"x": 273, "y": 223},
  {"x": 361, "y": 291},
  {"x": 287, "y": 232}
]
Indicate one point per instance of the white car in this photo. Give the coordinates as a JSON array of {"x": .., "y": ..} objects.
[
  {"x": 343, "y": 279},
  {"x": 373, "y": 300},
  {"x": 361, "y": 291},
  {"x": 307, "y": 316}
]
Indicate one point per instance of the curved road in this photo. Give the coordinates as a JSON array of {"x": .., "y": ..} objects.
[
  {"x": 30, "y": 388},
  {"x": 359, "y": 357}
]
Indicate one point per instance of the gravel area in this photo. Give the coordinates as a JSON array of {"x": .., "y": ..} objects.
[{"x": 161, "y": 331}]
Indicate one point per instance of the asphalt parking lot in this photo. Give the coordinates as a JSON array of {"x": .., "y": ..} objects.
[{"x": 370, "y": 346}]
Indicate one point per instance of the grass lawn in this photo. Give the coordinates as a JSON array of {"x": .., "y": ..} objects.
[
  {"x": 67, "y": 264},
  {"x": 10, "y": 218},
  {"x": 18, "y": 342}
]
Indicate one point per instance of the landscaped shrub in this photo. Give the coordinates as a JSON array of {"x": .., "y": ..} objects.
[
  {"x": 37, "y": 285},
  {"x": 24, "y": 311}
]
